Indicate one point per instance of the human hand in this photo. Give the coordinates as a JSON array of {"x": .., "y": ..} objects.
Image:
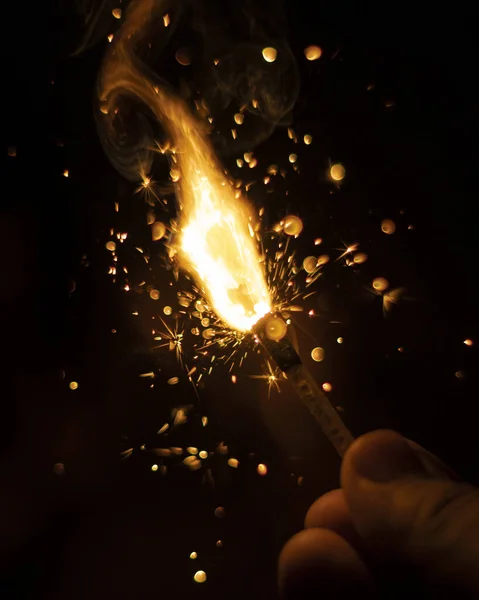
[{"x": 400, "y": 526}]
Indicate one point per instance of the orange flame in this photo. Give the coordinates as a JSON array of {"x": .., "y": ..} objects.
[{"x": 215, "y": 241}]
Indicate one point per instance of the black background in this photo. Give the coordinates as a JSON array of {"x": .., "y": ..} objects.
[{"x": 112, "y": 528}]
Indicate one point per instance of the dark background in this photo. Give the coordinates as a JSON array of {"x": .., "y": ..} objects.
[{"x": 112, "y": 528}]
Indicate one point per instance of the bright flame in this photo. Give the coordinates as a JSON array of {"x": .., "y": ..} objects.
[{"x": 216, "y": 243}]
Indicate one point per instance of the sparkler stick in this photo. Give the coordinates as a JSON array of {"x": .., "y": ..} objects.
[{"x": 285, "y": 356}]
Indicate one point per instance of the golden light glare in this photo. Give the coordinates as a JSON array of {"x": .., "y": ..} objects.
[
  {"x": 173, "y": 380},
  {"x": 262, "y": 469},
  {"x": 193, "y": 556},
  {"x": 73, "y": 385},
  {"x": 167, "y": 310},
  {"x": 380, "y": 284},
  {"x": 313, "y": 52},
  {"x": 360, "y": 258},
  {"x": 337, "y": 172},
  {"x": 111, "y": 246},
  {"x": 388, "y": 226},
  {"x": 203, "y": 454},
  {"x": 199, "y": 576},
  {"x": 308, "y": 139},
  {"x": 293, "y": 158},
  {"x": 154, "y": 468},
  {"x": 275, "y": 329},
  {"x": 183, "y": 56},
  {"x": 270, "y": 54},
  {"x": 239, "y": 118},
  {"x": 220, "y": 512},
  {"x": 293, "y": 225},
  {"x": 318, "y": 241},
  {"x": 175, "y": 175},
  {"x": 468, "y": 342},
  {"x": 158, "y": 230},
  {"x": 323, "y": 260},
  {"x": 309, "y": 264},
  {"x": 327, "y": 387},
  {"x": 117, "y": 12},
  {"x": 233, "y": 463},
  {"x": 317, "y": 354},
  {"x": 154, "y": 294},
  {"x": 340, "y": 340}
]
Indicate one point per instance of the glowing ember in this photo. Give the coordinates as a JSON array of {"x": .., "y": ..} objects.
[
  {"x": 239, "y": 119},
  {"x": 360, "y": 258},
  {"x": 262, "y": 469},
  {"x": 308, "y": 139},
  {"x": 468, "y": 342},
  {"x": 317, "y": 354},
  {"x": 270, "y": 54},
  {"x": 111, "y": 246},
  {"x": 309, "y": 264},
  {"x": 388, "y": 226},
  {"x": 313, "y": 52},
  {"x": 220, "y": 512},
  {"x": 293, "y": 225},
  {"x": 380, "y": 284},
  {"x": 183, "y": 56},
  {"x": 327, "y": 387},
  {"x": 117, "y": 12},
  {"x": 337, "y": 172},
  {"x": 158, "y": 230},
  {"x": 275, "y": 329},
  {"x": 193, "y": 556},
  {"x": 200, "y": 577},
  {"x": 73, "y": 385}
]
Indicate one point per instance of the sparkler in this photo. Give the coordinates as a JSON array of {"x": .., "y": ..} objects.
[
  {"x": 217, "y": 244},
  {"x": 216, "y": 238},
  {"x": 283, "y": 353}
]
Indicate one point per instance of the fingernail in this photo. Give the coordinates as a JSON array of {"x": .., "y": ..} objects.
[{"x": 385, "y": 457}]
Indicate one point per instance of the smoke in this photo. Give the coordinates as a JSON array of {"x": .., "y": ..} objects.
[{"x": 221, "y": 45}]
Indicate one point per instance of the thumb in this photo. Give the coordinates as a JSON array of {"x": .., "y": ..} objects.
[{"x": 410, "y": 512}]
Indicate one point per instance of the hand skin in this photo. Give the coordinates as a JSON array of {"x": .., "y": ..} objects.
[{"x": 401, "y": 526}]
